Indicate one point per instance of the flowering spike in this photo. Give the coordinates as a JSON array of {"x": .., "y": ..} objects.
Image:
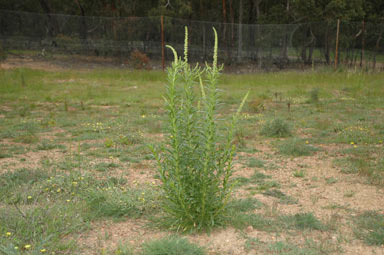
[
  {"x": 215, "y": 49},
  {"x": 242, "y": 103},
  {"x": 186, "y": 45},
  {"x": 174, "y": 52}
]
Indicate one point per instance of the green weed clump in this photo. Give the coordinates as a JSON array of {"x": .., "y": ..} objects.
[
  {"x": 172, "y": 246},
  {"x": 307, "y": 221},
  {"x": 276, "y": 128},
  {"x": 195, "y": 167},
  {"x": 314, "y": 95}
]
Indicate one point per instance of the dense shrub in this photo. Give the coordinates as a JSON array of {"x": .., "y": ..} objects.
[{"x": 139, "y": 60}]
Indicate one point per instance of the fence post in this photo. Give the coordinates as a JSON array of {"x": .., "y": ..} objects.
[
  {"x": 162, "y": 42},
  {"x": 337, "y": 43}
]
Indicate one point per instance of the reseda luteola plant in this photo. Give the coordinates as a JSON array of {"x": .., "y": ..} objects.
[{"x": 195, "y": 169}]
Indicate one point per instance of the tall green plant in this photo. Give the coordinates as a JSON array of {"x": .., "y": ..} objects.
[{"x": 195, "y": 169}]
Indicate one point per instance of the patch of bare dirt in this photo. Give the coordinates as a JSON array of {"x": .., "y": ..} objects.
[
  {"x": 29, "y": 160},
  {"x": 330, "y": 195},
  {"x": 226, "y": 241},
  {"x": 107, "y": 235},
  {"x": 29, "y": 62}
]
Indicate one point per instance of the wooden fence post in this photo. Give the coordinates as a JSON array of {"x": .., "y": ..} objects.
[{"x": 337, "y": 43}]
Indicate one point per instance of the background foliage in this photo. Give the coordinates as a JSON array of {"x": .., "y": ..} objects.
[{"x": 229, "y": 11}]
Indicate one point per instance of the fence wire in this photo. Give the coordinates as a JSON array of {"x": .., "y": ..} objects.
[{"x": 276, "y": 46}]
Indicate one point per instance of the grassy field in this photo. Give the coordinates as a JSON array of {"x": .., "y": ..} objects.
[{"x": 77, "y": 175}]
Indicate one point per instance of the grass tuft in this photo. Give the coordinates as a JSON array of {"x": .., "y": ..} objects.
[
  {"x": 303, "y": 221},
  {"x": 276, "y": 128},
  {"x": 296, "y": 147}
]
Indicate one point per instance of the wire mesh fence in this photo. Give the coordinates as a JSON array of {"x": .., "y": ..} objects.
[{"x": 266, "y": 47}]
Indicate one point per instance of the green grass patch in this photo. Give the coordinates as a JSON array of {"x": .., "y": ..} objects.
[
  {"x": 49, "y": 145},
  {"x": 257, "y": 221},
  {"x": 283, "y": 198},
  {"x": 244, "y": 205},
  {"x": 309, "y": 247},
  {"x": 11, "y": 183},
  {"x": 369, "y": 227},
  {"x": 303, "y": 221},
  {"x": 254, "y": 162},
  {"x": 98, "y": 114},
  {"x": 172, "y": 246},
  {"x": 105, "y": 167},
  {"x": 33, "y": 229},
  {"x": 296, "y": 147},
  {"x": 112, "y": 201}
]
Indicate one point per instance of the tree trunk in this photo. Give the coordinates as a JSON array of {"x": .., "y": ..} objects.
[
  {"x": 362, "y": 44},
  {"x": 327, "y": 49},
  {"x": 284, "y": 50},
  {"x": 240, "y": 32},
  {"x": 53, "y": 26},
  {"x": 377, "y": 48},
  {"x": 83, "y": 25},
  {"x": 258, "y": 35},
  {"x": 232, "y": 17},
  {"x": 224, "y": 6}
]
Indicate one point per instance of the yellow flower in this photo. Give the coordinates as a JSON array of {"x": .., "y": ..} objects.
[
  {"x": 29, "y": 197},
  {"x": 354, "y": 146},
  {"x": 43, "y": 250},
  {"x": 8, "y": 234},
  {"x": 27, "y": 246},
  {"x": 307, "y": 142},
  {"x": 16, "y": 248},
  {"x": 352, "y": 143},
  {"x": 58, "y": 190},
  {"x": 68, "y": 200}
]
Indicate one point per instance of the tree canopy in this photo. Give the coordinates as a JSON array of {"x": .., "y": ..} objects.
[{"x": 228, "y": 11}]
